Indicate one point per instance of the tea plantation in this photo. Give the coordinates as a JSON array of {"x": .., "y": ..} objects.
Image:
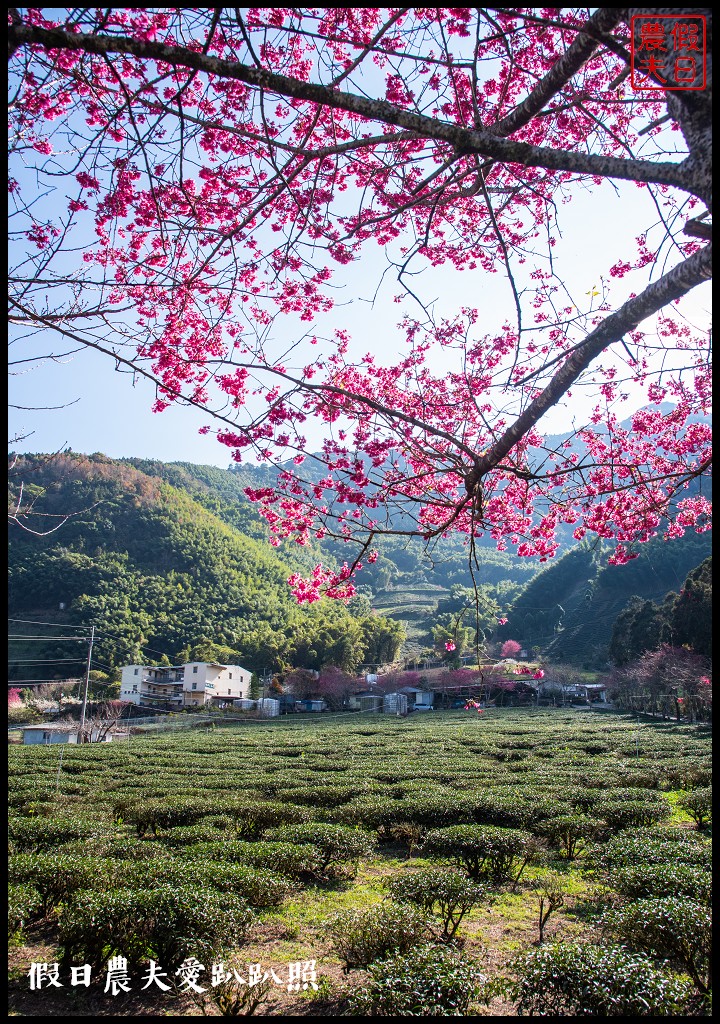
[{"x": 519, "y": 862}]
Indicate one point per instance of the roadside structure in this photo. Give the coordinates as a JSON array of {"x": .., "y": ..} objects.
[{"x": 62, "y": 732}]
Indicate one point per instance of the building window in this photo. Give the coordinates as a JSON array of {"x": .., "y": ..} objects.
[
  {"x": 194, "y": 669},
  {"x": 229, "y": 677},
  {"x": 194, "y": 686},
  {"x": 135, "y": 672},
  {"x": 229, "y": 691}
]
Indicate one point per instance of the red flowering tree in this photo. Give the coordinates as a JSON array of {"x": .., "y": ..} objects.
[
  {"x": 336, "y": 686},
  {"x": 390, "y": 682},
  {"x": 510, "y": 649},
  {"x": 670, "y": 680},
  {"x": 188, "y": 187},
  {"x": 14, "y": 700},
  {"x": 301, "y": 683},
  {"x": 457, "y": 677}
]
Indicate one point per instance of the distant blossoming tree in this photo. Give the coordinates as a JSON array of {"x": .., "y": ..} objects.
[
  {"x": 510, "y": 649},
  {"x": 671, "y": 680},
  {"x": 189, "y": 187}
]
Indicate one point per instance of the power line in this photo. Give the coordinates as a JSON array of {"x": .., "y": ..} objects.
[
  {"x": 76, "y": 639},
  {"x": 45, "y": 661},
  {"x": 103, "y": 665},
  {"x": 112, "y": 637},
  {"x": 34, "y": 622},
  {"x": 87, "y": 684},
  {"x": 24, "y": 682},
  {"x": 101, "y": 637},
  {"x": 129, "y": 644}
]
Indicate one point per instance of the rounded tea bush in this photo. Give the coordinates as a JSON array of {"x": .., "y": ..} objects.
[
  {"x": 624, "y": 814},
  {"x": 297, "y": 862},
  {"x": 362, "y": 936},
  {"x": 568, "y": 979},
  {"x": 117, "y": 848},
  {"x": 338, "y": 845},
  {"x": 57, "y": 876},
  {"x": 698, "y": 804},
  {"x": 569, "y": 832},
  {"x": 652, "y": 846},
  {"x": 484, "y": 852},
  {"x": 257, "y": 886},
  {"x": 40, "y": 833},
  {"x": 663, "y": 880},
  {"x": 428, "y": 981},
  {"x": 438, "y": 891},
  {"x": 318, "y": 796},
  {"x": 24, "y": 906},
  {"x": 167, "y": 924},
  {"x": 671, "y": 927},
  {"x": 187, "y": 835},
  {"x": 252, "y": 819},
  {"x": 435, "y": 811},
  {"x": 150, "y": 815},
  {"x": 371, "y": 812}
]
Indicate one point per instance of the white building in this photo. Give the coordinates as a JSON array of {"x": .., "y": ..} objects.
[
  {"x": 66, "y": 733},
  {"x": 418, "y": 699},
  {"x": 184, "y": 686}
]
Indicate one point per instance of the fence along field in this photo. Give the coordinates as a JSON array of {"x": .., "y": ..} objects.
[{"x": 359, "y": 866}]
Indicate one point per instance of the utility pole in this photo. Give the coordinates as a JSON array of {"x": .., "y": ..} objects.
[
  {"x": 57, "y": 780},
  {"x": 87, "y": 684}
]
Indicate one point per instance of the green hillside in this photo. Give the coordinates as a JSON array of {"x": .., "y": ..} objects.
[
  {"x": 159, "y": 573},
  {"x": 568, "y": 610},
  {"x": 405, "y": 583}
]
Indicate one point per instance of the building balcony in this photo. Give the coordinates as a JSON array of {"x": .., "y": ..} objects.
[{"x": 165, "y": 697}]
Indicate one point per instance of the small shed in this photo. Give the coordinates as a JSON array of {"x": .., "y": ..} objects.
[
  {"x": 594, "y": 691},
  {"x": 268, "y": 707},
  {"x": 244, "y": 704},
  {"x": 359, "y": 701},
  {"x": 369, "y": 702},
  {"x": 310, "y": 705},
  {"x": 395, "y": 704},
  {"x": 60, "y": 733},
  {"x": 418, "y": 699}
]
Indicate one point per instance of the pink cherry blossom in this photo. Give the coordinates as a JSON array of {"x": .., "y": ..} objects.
[{"x": 206, "y": 221}]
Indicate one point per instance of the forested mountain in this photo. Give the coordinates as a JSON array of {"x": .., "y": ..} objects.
[
  {"x": 446, "y": 563},
  {"x": 406, "y": 582},
  {"x": 683, "y": 619},
  {"x": 171, "y": 556},
  {"x": 160, "y": 573},
  {"x": 568, "y": 610}
]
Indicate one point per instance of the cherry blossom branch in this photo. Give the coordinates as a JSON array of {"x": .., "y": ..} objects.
[
  {"x": 676, "y": 283},
  {"x": 579, "y": 51},
  {"x": 465, "y": 140}
]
